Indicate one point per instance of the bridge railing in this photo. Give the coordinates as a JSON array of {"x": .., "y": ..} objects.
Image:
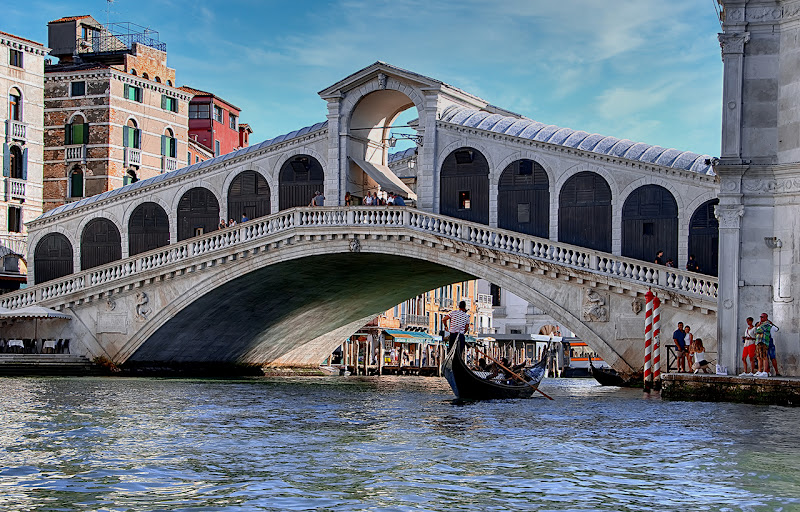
[{"x": 526, "y": 246}]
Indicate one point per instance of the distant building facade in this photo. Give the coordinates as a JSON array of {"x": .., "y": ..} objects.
[
  {"x": 21, "y": 107},
  {"x": 214, "y": 122},
  {"x": 112, "y": 113}
]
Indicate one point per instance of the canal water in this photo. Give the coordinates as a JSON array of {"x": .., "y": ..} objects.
[{"x": 388, "y": 443}]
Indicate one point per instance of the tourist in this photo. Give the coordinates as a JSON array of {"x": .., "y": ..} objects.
[
  {"x": 688, "y": 341},
  {"x": 231, "y": 222},
  {"x": 692, "y": 265},
  {"x": 245, "y": 218},
  {"x": 318, "y": 199},
  {"x": 763, "y": 340},
  {"x": 749, "y": 350},
  {"x": 659, "y": 258},
  {"x": 700, "y": 361},
  {"x": 670, "y": 263},
  {"x": 398, "y": 200},
  {"x": 376, "y": 201},
  {"x": 390, "y": 199},
  {"x": 457, "y": 323},
  {"x": 222, "y": 224},
  {"x": 679, "y": 338},
  {"x": 348, "y": 200}
]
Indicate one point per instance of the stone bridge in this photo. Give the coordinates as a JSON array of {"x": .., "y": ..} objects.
[{"x": 285, "y": 288}]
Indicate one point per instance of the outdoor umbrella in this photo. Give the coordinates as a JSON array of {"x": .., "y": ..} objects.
[{"x": 34, "y": 312}]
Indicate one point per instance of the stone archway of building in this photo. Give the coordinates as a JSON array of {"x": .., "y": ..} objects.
[
  {"x": 101, "y": 243},
  {"x": 198, "y": 213},
  {"x": 300, "y": 177},
  {"x": 523, "y": 198},
  {"x": 704, "y": 237},
  {"x": 52, "y": 257},
  {"x": 464, "y": 191},
  {"x": 650, "y": 224},
  {"x": 148, "y": 228},
  {"x": 248, "y": 194},
  {"x": 584, "y": 212}
]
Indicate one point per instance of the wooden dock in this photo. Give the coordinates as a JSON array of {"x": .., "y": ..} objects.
[{"x": 724, "y": 388}]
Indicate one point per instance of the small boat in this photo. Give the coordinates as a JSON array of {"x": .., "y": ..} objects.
[
  {"x": 606, "y": 376},
  {"x": 470, "y": 385}
]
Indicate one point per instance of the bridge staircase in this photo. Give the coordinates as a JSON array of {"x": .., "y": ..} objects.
[{"x": 46, "y": 364}]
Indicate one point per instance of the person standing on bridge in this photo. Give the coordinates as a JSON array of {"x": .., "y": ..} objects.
[
  {"x": 398, "y": 200},
  {"x": 318, "y": 199},
  {"x": 457, "y": 323}
]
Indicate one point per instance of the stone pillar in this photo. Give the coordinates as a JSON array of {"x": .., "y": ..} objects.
[
  {"x": 732, "y": 45},
  {"x": 336, "y": 171},
  {"x": 729, "y": 216},
  {"x": 427, "y": 165}
]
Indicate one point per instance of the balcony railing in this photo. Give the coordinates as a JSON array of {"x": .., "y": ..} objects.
[
  {"x": 133, "y": 156},
  {"x": 446, "y": 303},
  {"x": 168, "y": 164},
  {"x": 75, "y": 153},
  {"x": 484, "y": 299},
  {"x": 17, "y": 130},
  {"x": 418, "y": 320},
  {"x": 15, "y": 189}
]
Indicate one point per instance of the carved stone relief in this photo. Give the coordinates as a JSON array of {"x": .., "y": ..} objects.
[
  {"x": 729, "y": 215},
  {"x": 595, "y": 306},
  {"x": 142, "y": 309},
  {"x": 636, "y": 306},
  {"x": 355, "y": 245},
  {"x": 733, "y": 42}
]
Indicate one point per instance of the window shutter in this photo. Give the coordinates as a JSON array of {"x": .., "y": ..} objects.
[
  {"x": 126, "y": 139},
  {"x": 164, "y": 102},
  {"x": 164, "y": 145},
  {"x": 173, "y": 148},
  {"x": 137, "y": 138},
  {"x": 6, "y": 160},
  {"x": 25, "y": 164},
  {"x": 67, "y": 134},
  {"x": 127, "y": 92},
  {"x": 139, "y": 94},
  {"x": 85, "y": 133}
]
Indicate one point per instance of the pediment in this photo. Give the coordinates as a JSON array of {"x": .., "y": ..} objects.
[{"x": 371, "y": 72}]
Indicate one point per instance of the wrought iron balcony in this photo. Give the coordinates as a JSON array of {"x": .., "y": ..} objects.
[
  {"x": 133, "y": 156},
  {"x": 75, "y": 153},
  {"x": 168, "y": 164},
  {"x": 15, "y": 189},
  {"x": 16, "y": 130}
]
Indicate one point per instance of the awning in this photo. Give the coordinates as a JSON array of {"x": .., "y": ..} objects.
[
  {"x": 384, "y": 176},
  {"x": 408, "y": 336},
  {"x": 34, "y": 312}
]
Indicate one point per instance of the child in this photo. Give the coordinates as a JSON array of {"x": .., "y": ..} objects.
[{"x": 700, "y": 362}]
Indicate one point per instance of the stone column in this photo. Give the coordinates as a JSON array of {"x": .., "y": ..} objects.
[
  {"x": 427, "y": 165},
  {"x": 732, "y": 45},
  {"x": 336, "y": 172},
  {"x": 729, "y": 216}
]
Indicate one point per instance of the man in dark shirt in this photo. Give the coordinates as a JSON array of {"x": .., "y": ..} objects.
[
  {"x": 679, "y": 338},
  {"x": 659, "y": 258},
  {"x": 691, "y": 264}
]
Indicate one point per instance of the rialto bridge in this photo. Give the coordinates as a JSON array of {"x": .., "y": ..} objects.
[{"x": 567, "y": 220}]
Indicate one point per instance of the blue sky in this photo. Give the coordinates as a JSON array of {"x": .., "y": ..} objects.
[{"x": 645, "y": 70}]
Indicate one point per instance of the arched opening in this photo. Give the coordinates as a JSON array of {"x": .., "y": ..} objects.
[
  {"x": 382, "y": 122},
  {"x": 650, "y": 224},
  {"x": 198, "y": 213},
  {"x": 300, "y": 178},
  {"x": 464, "y": 191},
  {"x": 130, "y": 177},
  {"x": 133, "y": 72},
  {"x": 169, "y": 83},
  {"x": 76, "y": 131},
  {"x": 248, "y": 194},
  {"x": 169, "y": 144},
  {"x": 145, "y": 76},
  {"x": 158, "y": 79},
  {"x": 16, "y": 163},
  {"x": 584, "y": 212},
  {"x": 100, "y": 243},
  {"x": 704, "y": 237},
  {"x": 148, "y": 228},
  {"x": 52, "y": 258},
  {"x": 76, "y": 182},
  {"x": 131, "y": 135},
  {"x": 523, "y": 199},
  {"x": 15, "y": 104}
]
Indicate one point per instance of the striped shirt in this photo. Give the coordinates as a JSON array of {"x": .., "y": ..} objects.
[{"x": 458, "y": 321}]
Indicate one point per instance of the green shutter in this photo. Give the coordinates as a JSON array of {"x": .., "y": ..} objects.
[
  {"x": 67, "y": 134},
  {"x": 164, "y": 145},
  {"x": 25, "y": 164},
  {"x": 126, "y": 139},
  {"x": 6, "y": 160},
  {"x": 76, "y": 134}
]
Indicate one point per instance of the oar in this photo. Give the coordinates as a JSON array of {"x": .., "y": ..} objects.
[{"x": 498, "y": 363}]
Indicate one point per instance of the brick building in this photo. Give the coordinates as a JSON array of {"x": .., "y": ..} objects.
[
  {"x": 214, "y": 122},
  {"x": 112, "y": 113},
  {"x": 21, "y": 104}
]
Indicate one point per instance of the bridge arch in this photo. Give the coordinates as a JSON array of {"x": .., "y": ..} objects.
[
  {"x": 649, "y": 224},
  {"x": 704, "y": 237},
  {"x": 197, "y": 212},
  {"x": 248, "y": 193},
  {"x": 300, "y": 176},
  {"x": 101, "y": 243},
  {"x": 148, "y": 227},
  {"x": 523, "y": 198},
  {"x": 585, "y": 205},
  {"x": 53, "y": 257},
  {"x": 464, "y": 185}
]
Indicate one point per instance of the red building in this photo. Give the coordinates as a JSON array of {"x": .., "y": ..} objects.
[{"x": 214, "y": 123}]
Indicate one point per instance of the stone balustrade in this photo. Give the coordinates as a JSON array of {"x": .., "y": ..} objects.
[
  {"x": 75, "y": 153},
  {"x": 168, "y": 164},
  {"x": 133, "y": 156},
  {"x": 15, "y": 189},
  {"x": 17, "y": 130},
  {"x": 327, "y": 220}
]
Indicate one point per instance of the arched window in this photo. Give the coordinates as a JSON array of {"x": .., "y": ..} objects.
[
  {"x": 130, "y": 177},
  {"x": 169, "y": 144},
  {"x": 52, "y": 258},
  {"x": 100, "y": 243},
  {"x": 76, "y": 132},
  {"x": 131, "y": 135},
  {"x": 584, "y": 212},
  {"x": 650, "y": 224},
  {"x": 133, "y": 72},
  {"x": 148, "y": 228},
  {"x": 76, "y": 182},
  {"x": 157, "y": 79},
  {"x": 300, "y": 177},
  {"x": 464, "y": 182},
  {"x": 15, "y": 104},
  {"x": 145, "y": 76},
  {"x": 704, "y": 237},
  {"x": 17, "y": 162},
  {"x": 248, "y": 194},
  {"x": 198, "y": 213},
  {"x": 523, "y": 199},
  {"x": 169, "y": 83}
]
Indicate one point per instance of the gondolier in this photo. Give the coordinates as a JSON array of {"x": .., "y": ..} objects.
[{"x": 457, "y": 323}]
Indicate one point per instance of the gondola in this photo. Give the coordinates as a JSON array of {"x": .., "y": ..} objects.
[
  {"x": 468, "y": 385},
  {"x": 606, "y": 376}
]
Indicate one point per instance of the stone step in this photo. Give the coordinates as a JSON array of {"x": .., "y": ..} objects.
[{"x": 45, "y": 364}]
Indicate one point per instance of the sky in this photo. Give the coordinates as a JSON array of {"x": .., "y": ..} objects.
[{"x": 645, "y": 70}]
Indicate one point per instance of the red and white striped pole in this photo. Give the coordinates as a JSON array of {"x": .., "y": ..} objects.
[
  {"x": 648, "y": 339},
  {"x": 657, "y": 342}
]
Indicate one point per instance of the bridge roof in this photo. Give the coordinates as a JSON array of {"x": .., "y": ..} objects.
[
  {"x": 185, "y": 170},
  {"x": 596, "y": 143}
]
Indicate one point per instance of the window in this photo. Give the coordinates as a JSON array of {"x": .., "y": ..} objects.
[
  {"x": 217, "y": 114},
  {"x": 648, "y": 229},
  {"x": 463, "y": 200},
  {"x": 494, "y": 291},
  {"x": 130, "y": 177},
  {"x": 17, "y": 165},
  {"x": 199, "y": 111},
  {"x": 188, "y": 158},
  {"x": 15, "y": 105},
  {"x": 15, "y": 58},
  {"x": 133, "y": 93},
  {"x": 523, "y": 213},
  {"x": 131, "y": 135},
  {"x": 232, "y": 119},
  {"x": 169, "y": 144},
  {"x": 196, "y": 158},
  {"x": 77, "y": 88},
  {"x": 14, "y": 219},
  {"x": 158, "y": 79},
  {"x": 76, "y": 183},
  {"x": 216, "y": 148},
  {"x": 76, "y": 132},
  {"x": 169, "y": 103}
]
